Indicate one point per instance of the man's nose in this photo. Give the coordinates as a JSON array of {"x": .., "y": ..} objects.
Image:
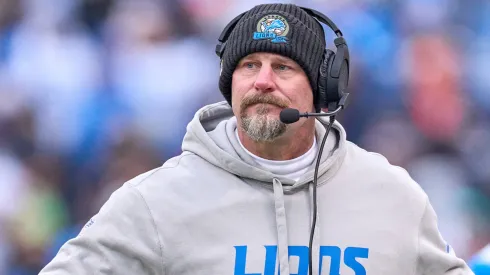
[{"x": 265, "y": 79}]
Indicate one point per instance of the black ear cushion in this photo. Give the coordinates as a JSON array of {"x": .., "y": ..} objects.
[
  {"x": 321, "y": 98},
  {"x": 344, "y": 78}
]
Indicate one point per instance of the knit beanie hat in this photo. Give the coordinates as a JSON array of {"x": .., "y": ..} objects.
[{"x": 283, "y": 29}]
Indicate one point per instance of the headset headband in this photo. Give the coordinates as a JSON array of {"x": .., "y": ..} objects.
[{"x": 314, "y": 13}]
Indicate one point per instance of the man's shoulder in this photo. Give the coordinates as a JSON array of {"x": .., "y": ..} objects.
[
  {"x": 181, "y": 166},
  {"x": 376, "y": 162},
  {"x": 186, "y": 169},
  {"x": 375, "y": 168}
]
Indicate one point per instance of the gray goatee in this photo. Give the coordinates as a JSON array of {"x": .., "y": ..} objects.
[{"x": 261, "y": 127}]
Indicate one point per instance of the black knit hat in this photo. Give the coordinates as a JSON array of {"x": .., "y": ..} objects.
[{"x": 284, "y": 29}]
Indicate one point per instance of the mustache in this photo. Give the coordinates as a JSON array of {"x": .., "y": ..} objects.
[{"x": 267, "y": 98}]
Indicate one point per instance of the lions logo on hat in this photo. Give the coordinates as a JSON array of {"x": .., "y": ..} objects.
[{"x": 272, "y": 27}]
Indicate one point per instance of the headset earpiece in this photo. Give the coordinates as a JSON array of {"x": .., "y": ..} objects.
[
  {"x": 220, "y": 47},
  {"x": 332, "y": 80},
  {"x": 338, "y": 76},
  {"x": 321, "y": 99}
]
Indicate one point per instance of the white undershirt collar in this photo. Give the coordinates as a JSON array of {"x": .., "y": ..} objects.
[{"x": 293, "y": 168}]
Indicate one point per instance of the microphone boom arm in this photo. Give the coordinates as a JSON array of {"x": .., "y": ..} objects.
[
  {"x": 322, "y": 114},
  {"x": 341, "y": 105}
]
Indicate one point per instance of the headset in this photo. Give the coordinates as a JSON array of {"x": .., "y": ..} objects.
[{"x": 333, "y": 76}]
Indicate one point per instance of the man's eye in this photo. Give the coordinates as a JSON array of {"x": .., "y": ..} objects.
[
  {"x": 250, "y": 65},
  {"x": 282, "y": 67}
]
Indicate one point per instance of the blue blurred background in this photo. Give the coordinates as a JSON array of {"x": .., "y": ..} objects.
[{"x": 94, "y": 92}]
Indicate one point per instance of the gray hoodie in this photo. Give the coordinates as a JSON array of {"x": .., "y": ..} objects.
[{"x": 212, "y": 210}]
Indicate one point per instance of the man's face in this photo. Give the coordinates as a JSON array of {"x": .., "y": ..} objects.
[{"x": 263, "y": 85}]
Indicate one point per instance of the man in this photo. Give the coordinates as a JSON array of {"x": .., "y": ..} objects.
[{"x": 238, "y": 200}]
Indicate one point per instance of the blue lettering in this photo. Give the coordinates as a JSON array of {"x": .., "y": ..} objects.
[
  {"x": 302, "y": 253},
  {"x": 271, "y": 256},
  {"x": 264, "y": 35},
  {"x": 241, "y": 261},
  {"x": 279, "y": 39},
  {"x": 270, "y": 259},
  {"x": 350, "y": 255},
  {"x": 334, "y": 253}
]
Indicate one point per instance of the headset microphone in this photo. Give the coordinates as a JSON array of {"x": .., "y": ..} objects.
[{"x": 290, "y": 115}]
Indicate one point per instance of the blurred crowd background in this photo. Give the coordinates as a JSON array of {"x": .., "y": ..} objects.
[{"x": 94, "y": 92}]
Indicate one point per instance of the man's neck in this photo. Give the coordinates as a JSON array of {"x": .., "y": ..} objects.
[{"x": 287, "y": 147}]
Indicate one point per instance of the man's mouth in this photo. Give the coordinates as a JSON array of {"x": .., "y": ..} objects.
[{"x": 264, "y": 103}]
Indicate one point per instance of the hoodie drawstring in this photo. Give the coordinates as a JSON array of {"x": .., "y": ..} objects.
[{"x": 282, "y": 229}]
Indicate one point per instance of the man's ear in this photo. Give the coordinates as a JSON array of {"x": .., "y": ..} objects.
[{"x": 324, "y": 110}]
